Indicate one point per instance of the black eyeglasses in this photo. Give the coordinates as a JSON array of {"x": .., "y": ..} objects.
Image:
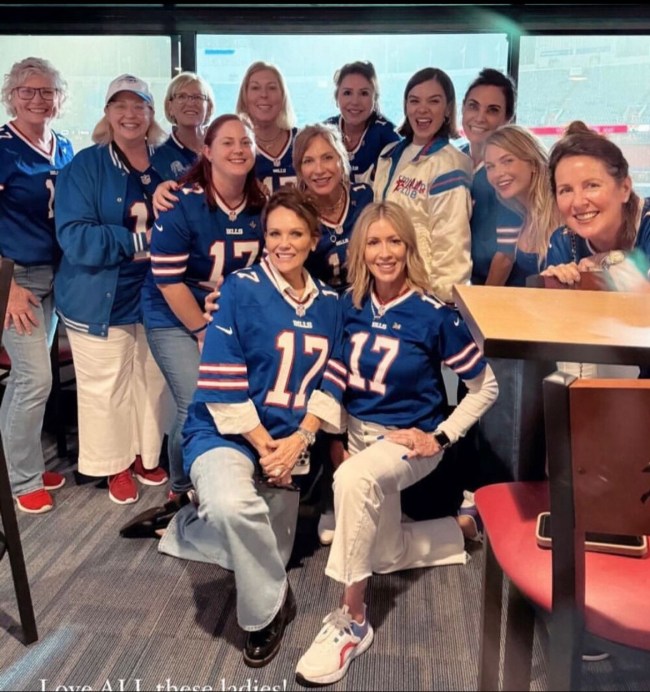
[
  {"x": 194, "y": 98},
  {"x": 28, "y": 93}
]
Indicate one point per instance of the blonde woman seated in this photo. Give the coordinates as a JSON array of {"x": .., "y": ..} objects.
[{"x": 396, "y": 337}]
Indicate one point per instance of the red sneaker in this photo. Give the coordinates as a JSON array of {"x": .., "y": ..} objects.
[
  {"x": 36, "y": 502},
  {"x": 122, "y": 488},
  {"x": 155, "y": 476},
  {"x": 53, "y": 480}
]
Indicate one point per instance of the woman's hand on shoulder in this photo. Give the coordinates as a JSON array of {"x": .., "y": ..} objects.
[
  {"x": 418, "y": 442},
  {"x": 164, "y": 198},
  {"x": 565, "y": 273}
]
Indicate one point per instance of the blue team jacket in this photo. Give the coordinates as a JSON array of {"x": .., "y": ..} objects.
[{"x": 89, "y": 211}]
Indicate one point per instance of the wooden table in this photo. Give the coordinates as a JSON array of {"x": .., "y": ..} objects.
[{"x": 541, "y": 324}]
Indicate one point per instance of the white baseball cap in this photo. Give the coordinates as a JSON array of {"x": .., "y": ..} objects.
[{"x": 127, "y": 82}]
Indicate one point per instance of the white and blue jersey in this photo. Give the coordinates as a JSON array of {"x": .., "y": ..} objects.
[
  {"x": 328, "y": 260},
  {"x": 363, "y": 158},
  {"x": 195, "y": 245},
  {"x": 266, "y": 348},
  {"x": 172, "y": 159},
  {"x": 566, "y": 246},
  {"x": 275, "y": 171},
  {"x": 103, "y": 214},
  {"x": 508, "y": 229},
  {"x": 28, "y": 176},
  {"x": 394, "y": 354}
]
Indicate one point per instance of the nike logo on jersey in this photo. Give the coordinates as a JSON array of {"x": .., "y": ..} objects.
[
  {"x": 158, "y": 227},
  {"x": 224, "y": 330},
  {"x": 457, "y": 322}
]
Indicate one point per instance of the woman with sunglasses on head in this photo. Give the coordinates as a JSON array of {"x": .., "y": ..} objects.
[
  {"x": 430, "y": 179},
  {"x": 365, "y": 131},
  {"x": 31, "y": 156},
  {"x": 189, "y": 105},
  {"x": 104, "y": 220},
  {"x": 267, "y": 380}
]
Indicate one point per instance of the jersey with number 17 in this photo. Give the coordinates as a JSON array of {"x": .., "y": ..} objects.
[
  {"x": 394, "y": 354},
  {"x": 27, "y": 180},
  {"x": 195, "y": 244},
  {"x": 264, "y": 347}
]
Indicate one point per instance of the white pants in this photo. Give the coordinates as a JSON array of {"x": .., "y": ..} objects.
[
  {"x": 122, "y": 400},
  {"x": 370, "y": 536}
]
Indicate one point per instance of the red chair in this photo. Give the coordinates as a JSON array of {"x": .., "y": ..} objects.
[{"x": 598, "y": 437}]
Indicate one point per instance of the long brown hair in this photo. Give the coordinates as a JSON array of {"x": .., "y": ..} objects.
[{"x": 200, "y": 173}]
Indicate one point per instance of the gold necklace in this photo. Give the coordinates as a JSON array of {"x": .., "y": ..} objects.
[
  {"x": 269, "y": 141},
  {"x": 337, "y": 205}
]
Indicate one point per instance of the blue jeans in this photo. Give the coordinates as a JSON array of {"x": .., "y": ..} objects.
[
  {"x": 29, "y": 384},
  {"x": 240, "y": 525},
  {"x": 178, "y": 358}
]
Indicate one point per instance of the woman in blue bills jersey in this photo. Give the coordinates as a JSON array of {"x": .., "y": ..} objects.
[
  {"x": 266, "y": 381},
  {"x": 31, "y": 156},
  {"x": 189, "y": 105},
  {"x": 104, "y": 220},
  {"x": 606, "y": 224},
  {"x": 430, "y": 179},
  {"x": 396, "y": 337},
  {"x": 516, "y": 164},
  {"x": 489, "y": 103},
  {"x": 364, "y": 129},
  {"x": 263, "y": 98},
  {"x": 323, "y": 169},
  {"x": 213, "y": 229}
]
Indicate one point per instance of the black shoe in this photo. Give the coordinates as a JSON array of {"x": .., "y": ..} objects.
[
  {"x": 149, "y": 522},
  {"x": 263, "y": 645}
]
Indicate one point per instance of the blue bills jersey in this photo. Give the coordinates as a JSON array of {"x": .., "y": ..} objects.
[
  {"x": 265, "y": 347},
  {"x": 173, "y": 159},
  {"x": 394, "y": 354},
  {"x": 27, "y": 182},
  {"x": 363, "y": 158},
  {"x": 275, "y": 171},
  {"x": 568, "y": 247},
  {"x": 195, "y": 245},
  {"x": 138, "y": 218},
  {"x": 328, "y": 261}
]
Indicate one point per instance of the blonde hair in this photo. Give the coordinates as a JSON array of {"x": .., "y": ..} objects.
[
  {"x": 359, "y": 276},
  {"x": 331, "y": 135},
  {"x": 22, "y": 71},
  {"x": 103, "y": 132},
  {"x": 286, "y": 117},
  {"x": 542, "y": 213},
  {"x": 185, "y": 79}
]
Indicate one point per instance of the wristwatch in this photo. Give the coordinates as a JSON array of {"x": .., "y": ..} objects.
[
  {"x": 441, "y": 438},
  {"x": 611, "y": 258},
  {"x": 308, "y": 436}
]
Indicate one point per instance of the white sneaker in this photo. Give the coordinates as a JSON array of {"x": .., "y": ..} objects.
[
  {"x": 338, "y": 643},
  {"x": 326, "y": 526}
]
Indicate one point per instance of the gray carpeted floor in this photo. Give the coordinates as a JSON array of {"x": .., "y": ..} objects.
[{"x": 114, "y": 614}]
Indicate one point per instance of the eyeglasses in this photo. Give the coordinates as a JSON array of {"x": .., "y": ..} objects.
[
  {"x": 184, "y": 98},
  {"x": 124, "y": 106},
  {"x": 28, "y": 93}
]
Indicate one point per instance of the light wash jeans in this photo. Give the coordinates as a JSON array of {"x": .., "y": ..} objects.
[
  {"x": 29, "y": 384},
  {"x": 370, "y": 535},
  {"x": 178, "y": 357},
  {"x": 240, "y": 525}
]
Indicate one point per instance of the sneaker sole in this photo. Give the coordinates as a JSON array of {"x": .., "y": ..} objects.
[
  {"x": 130, "y": 500},
  {"x": 321, "y": 680},
  {"x": 55, "y": 487},
  {"x": 42, "y": 510},
  {"x": 146, "y": 481}
]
